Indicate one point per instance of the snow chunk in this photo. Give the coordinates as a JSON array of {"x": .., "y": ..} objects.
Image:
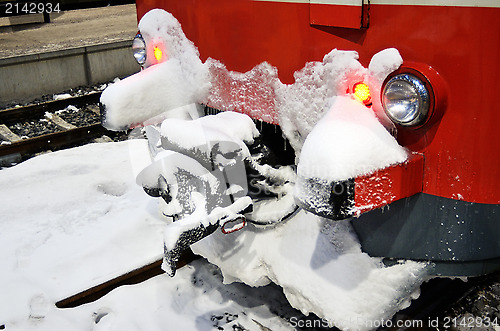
[
  {"x": 383, "y": 63},
  {"x": 62, "y": 96},
  {"x": 348, "y": 141},
  {"x": 225, "y": 126},
  {"x": 67, "y": 109},
  {"x": 190, "y": 111},
  {"x": 303, "y": 103},
  {"x": 321, "y": 268},
  {"x": 151, "y": 92},
  {"x": 236, "y": 125},
  {"x": 181, "y": 80},
  {"x": 216, "y": 141}
]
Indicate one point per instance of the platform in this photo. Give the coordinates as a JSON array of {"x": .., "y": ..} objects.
[
  {"x": 77, "y": 48},
  {"x": 74, "y": 28}
]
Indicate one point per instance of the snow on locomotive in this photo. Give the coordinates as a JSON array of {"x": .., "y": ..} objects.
[{"x": 393, "y": 139}]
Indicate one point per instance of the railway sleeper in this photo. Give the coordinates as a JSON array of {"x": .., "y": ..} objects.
[
  {"x": 60, "y": 123},
  {"x": 7, "y": 135}
]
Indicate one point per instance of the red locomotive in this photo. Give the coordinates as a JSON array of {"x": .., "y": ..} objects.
[{"x": 442, "y": 203}]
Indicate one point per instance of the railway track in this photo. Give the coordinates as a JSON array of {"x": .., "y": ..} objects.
[{"x": 52, "y": 125}]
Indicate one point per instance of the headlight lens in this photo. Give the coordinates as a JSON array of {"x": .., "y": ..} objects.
[
  {"x": 139, "y": 49},
  {"x": 406, "y": 100}
]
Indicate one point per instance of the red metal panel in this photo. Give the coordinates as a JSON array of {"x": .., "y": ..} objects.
[
  {"x": 389, "y": 184},
  {"x": 336, "y": 15}
]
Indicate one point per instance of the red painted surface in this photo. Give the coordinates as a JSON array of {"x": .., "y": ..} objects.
[
  {"x": 462, "y": 158},
  {"x": 246, "y": 96},
  {"x": 389, "y": 184},
  {"x": 339, "y": 16}
]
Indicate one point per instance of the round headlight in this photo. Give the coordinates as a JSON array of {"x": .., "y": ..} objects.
[
  {"x": 406, "y": 100},
  {"x": 139, "y": 49}
]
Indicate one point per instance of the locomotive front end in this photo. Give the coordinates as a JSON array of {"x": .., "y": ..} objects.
[{"x": 399, "y": 148}]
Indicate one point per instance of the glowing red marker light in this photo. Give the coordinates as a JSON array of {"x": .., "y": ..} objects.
[
  {"x": 361, "y": 92},
  {"x": 158, "y": 53}
]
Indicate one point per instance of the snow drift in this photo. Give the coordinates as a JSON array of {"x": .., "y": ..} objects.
[{"x": 347, "y": 142}]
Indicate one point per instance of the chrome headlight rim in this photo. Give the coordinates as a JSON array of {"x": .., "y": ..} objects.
[
  {"x": 418, "y": 107},
  {"x": 139, "y": 49}
]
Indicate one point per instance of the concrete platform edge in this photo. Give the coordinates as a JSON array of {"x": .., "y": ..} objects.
[{"x": 28, "y": 77}]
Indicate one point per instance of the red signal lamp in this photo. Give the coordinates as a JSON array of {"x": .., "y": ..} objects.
[
  {"x": 361, "y": 92},
  {"x": 158, "y": 54}
]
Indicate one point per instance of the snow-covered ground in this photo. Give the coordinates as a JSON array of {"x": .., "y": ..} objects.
[{"x": 76, "y": 218}]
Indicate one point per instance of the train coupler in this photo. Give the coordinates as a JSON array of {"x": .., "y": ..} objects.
[{"x": 181, "y": 234}]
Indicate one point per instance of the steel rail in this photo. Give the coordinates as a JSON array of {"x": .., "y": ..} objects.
[
  {"x": 54, "y": 140},
  {"x": 13, "y": 115},
  {"x": 133, "y": 277}
]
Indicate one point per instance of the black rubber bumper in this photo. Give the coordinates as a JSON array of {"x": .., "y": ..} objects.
[{"x": 460, "y": 238}]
